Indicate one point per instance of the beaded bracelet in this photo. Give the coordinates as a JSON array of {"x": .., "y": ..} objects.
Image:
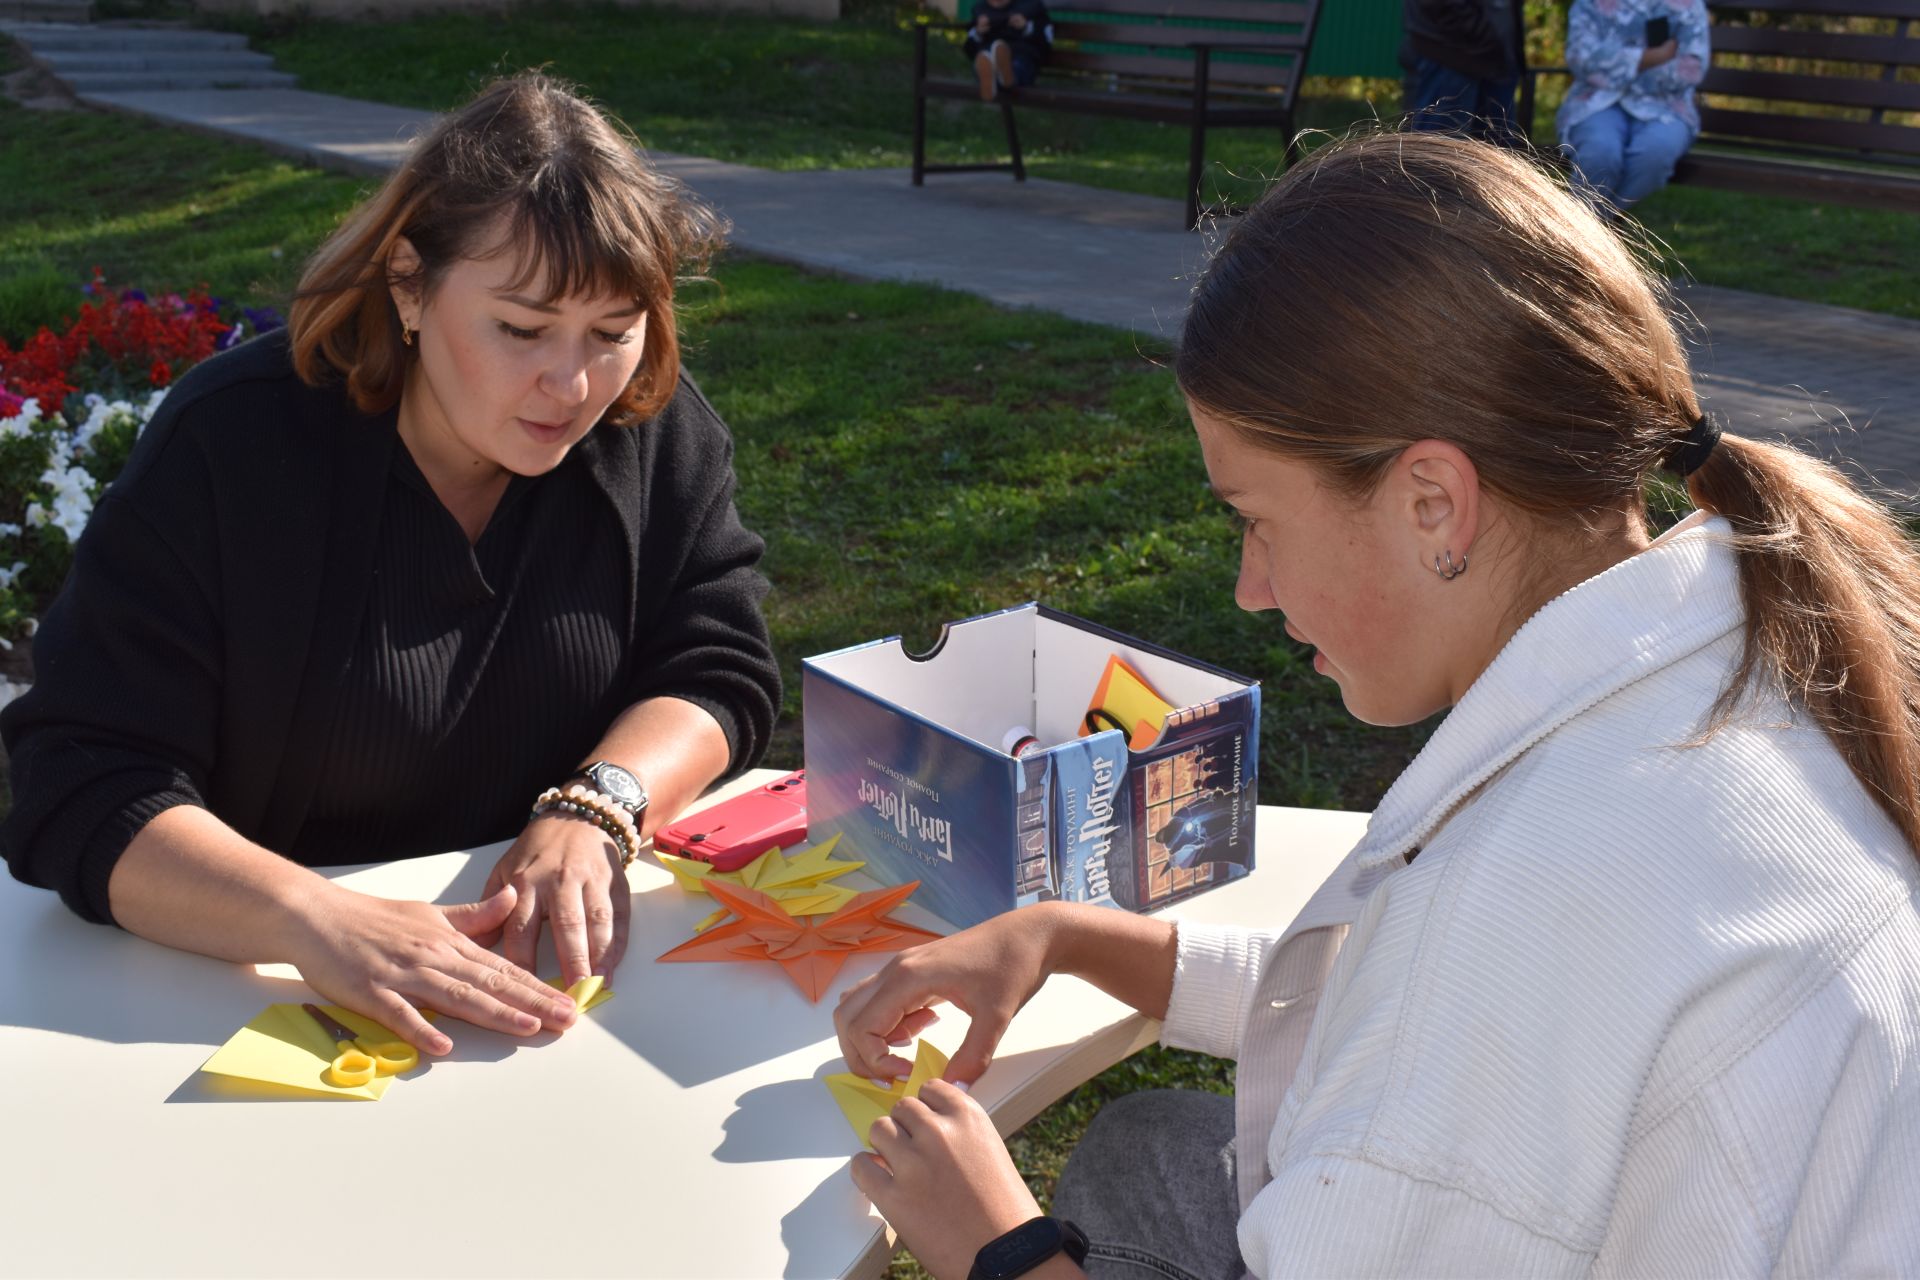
[{"x": 590, "y": 806}]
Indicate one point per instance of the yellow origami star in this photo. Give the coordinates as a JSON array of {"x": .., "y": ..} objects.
[{"x": 798, "y": 882}]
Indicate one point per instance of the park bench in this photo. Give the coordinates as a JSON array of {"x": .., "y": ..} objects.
[
  {"x": 1800, "y": 102},
  {"x": 1200, "y": 63}
]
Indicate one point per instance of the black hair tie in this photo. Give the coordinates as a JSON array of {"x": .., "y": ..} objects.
[{"x": 1688, "y": 456}]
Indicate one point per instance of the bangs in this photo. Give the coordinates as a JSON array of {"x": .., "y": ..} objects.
[{"x": 568, "y": 247}]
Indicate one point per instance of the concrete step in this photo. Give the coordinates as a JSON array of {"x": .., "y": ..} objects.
[
  {"x": 66, "y": 62},
  {"x": 47, "y": 37},
  {"x": 152, "y": 81}
]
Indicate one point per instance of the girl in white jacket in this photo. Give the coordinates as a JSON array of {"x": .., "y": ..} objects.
[{"x": 1625, "y": 976}]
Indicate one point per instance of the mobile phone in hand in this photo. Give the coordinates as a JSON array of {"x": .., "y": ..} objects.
[{"x": 1659, "y": 31}]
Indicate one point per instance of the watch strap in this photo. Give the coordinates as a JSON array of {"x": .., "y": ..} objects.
[{"x": 1027, "y": 1246}]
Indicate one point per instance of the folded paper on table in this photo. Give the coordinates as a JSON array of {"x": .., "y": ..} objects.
[
  {"x": 590, "y": 992},
  {"x": 811, "y": 949},
  {"x": 863, "y": 1101},
  {"x": 798, "y": 881},
  {"x": 283, "y": 1046}
]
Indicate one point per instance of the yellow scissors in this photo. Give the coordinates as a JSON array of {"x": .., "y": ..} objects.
[{"x": 358, "y": 1063}]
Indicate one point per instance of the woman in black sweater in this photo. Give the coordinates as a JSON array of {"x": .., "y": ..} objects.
[{"x": 370, "y": 587}]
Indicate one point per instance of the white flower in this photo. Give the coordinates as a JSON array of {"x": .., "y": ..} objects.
[
  {"x": 22, "y": 422},
  {"x": 9, "y": 530},
  {"x": 36, "y": 516},
  {"x": 8, "y": 575},
  {"x": 102, "y": 414}
]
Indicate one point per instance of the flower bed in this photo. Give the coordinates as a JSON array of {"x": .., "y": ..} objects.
[{"x": 71, "y": 406}]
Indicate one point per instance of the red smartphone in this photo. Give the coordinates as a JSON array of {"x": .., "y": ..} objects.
[{"x": 735, "y": 832}]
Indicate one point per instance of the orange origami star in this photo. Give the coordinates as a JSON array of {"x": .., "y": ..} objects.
[{"x": 811, "y": 949}]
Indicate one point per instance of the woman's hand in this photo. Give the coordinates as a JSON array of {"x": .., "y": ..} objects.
[
  {"x": 567, "y": 872},
  {"x": 382, "y": 958},
  {"x": 942, "y": 1177},
  {"x": 989, "y": 971},
  {"x": 1658, "y": 54}
]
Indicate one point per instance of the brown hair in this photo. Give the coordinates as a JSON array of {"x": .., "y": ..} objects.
[
  {"x": 1397, "y": 287},
  {"x": 575, "y": 199}
]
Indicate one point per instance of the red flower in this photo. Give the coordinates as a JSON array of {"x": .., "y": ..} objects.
[{"x": 160, "y": 375}]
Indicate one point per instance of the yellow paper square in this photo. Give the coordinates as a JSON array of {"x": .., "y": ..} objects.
[{"x": 283, "y": 1046}]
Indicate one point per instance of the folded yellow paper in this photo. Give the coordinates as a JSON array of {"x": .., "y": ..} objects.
[
  {"x": 286, "y": 1048},
  {"x": 863, "y": 1101},
  {"x": 588, "y": 993},
  {"x": 798, "y": 881}
]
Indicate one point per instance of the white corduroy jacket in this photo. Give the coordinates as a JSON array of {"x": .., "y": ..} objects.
[{"x": 1641, "y": 1005}]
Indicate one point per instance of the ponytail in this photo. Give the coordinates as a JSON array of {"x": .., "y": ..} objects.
[{"x": 1831, "y": 584}]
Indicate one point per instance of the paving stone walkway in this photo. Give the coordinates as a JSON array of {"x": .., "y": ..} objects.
[{"x": 1843, "y": 383}]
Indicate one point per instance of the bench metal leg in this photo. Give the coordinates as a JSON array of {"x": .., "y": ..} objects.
[
  {"x": 1197, "y": 142},
  {"x": 919, "y": 106},
  {"x": 919, "y": 140},
  {"x": 1013, "y": 141}
]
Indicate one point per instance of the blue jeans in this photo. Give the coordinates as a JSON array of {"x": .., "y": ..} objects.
[
  {"x": 1623, "y": 159},
  {"x": 1153, "y": 1185},
  {"x": 1026, "y": 65},
  {"x": 1449, "y": 101}
]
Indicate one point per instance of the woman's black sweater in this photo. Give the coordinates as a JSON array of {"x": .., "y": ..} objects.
[{"x": 270, "y": 616}]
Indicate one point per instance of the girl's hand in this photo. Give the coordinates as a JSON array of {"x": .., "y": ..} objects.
[
  {"x": 1018, "y": 22},
  {"x": 940, "y": 1174},
  {"x": 567, "y": 872},
  {"x": 382, "y": 958},
  {"x": 990, "y": 971},
  {"x": 981, "y": 24}
]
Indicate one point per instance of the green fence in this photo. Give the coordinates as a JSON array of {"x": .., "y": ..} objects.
[{"x": 1354, "y": 37}]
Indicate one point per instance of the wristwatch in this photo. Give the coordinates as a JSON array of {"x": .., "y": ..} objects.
[
  {"x": 618, "y": 785},
  {"x": 1026, "y": 1247}
]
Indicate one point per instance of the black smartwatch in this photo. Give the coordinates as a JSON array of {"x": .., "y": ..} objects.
[
  {"x": 618, "y": 785},
  {"x": 1026, "y": 1247}
]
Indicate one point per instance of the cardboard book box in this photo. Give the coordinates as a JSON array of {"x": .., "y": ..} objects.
[{"x": 907, "y": 758}]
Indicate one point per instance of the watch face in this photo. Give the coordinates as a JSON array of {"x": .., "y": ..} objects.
[{"x": 619, "y": 784}]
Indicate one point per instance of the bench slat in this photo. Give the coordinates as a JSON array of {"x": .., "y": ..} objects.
[
  {"x": 1175, "y": 67},
  {"x": 1816, "y": 44},
  {"x": 1210, "y": 11},
  {"x": 1166, "y": 108},
  {"x": 1166, "y": 36},
  {"x": 1799, "y": 181},
  {"x": 1839, "y": 91},
  {"x": 1823, "y": 8},
  {"x": 1853, "y": 135}
]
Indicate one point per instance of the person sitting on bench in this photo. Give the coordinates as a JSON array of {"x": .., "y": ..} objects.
[{"x": 1008, "y": 41}]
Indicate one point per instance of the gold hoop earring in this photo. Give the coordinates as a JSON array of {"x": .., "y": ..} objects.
[
  {"x": 1452, "y": 570},
  {"x": 406, "y": 334}
]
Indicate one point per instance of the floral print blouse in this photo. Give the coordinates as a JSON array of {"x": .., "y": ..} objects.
[{"x": 1605, "y": 39}]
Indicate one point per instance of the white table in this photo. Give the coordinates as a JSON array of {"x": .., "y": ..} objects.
[{"x": 681, "y": 1130}]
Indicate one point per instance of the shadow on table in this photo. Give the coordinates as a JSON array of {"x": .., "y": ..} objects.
[
  {"x": 788, "y": 1120},
  {"x": 835, "y": 1198}
]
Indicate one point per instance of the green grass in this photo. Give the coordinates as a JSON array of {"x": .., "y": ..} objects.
[
  {"x": 912, "y": 456},
  {"x": 773, "y": 92},
  {"x": 788, "y": 94},
  {"x": 154, "y": 207}
]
